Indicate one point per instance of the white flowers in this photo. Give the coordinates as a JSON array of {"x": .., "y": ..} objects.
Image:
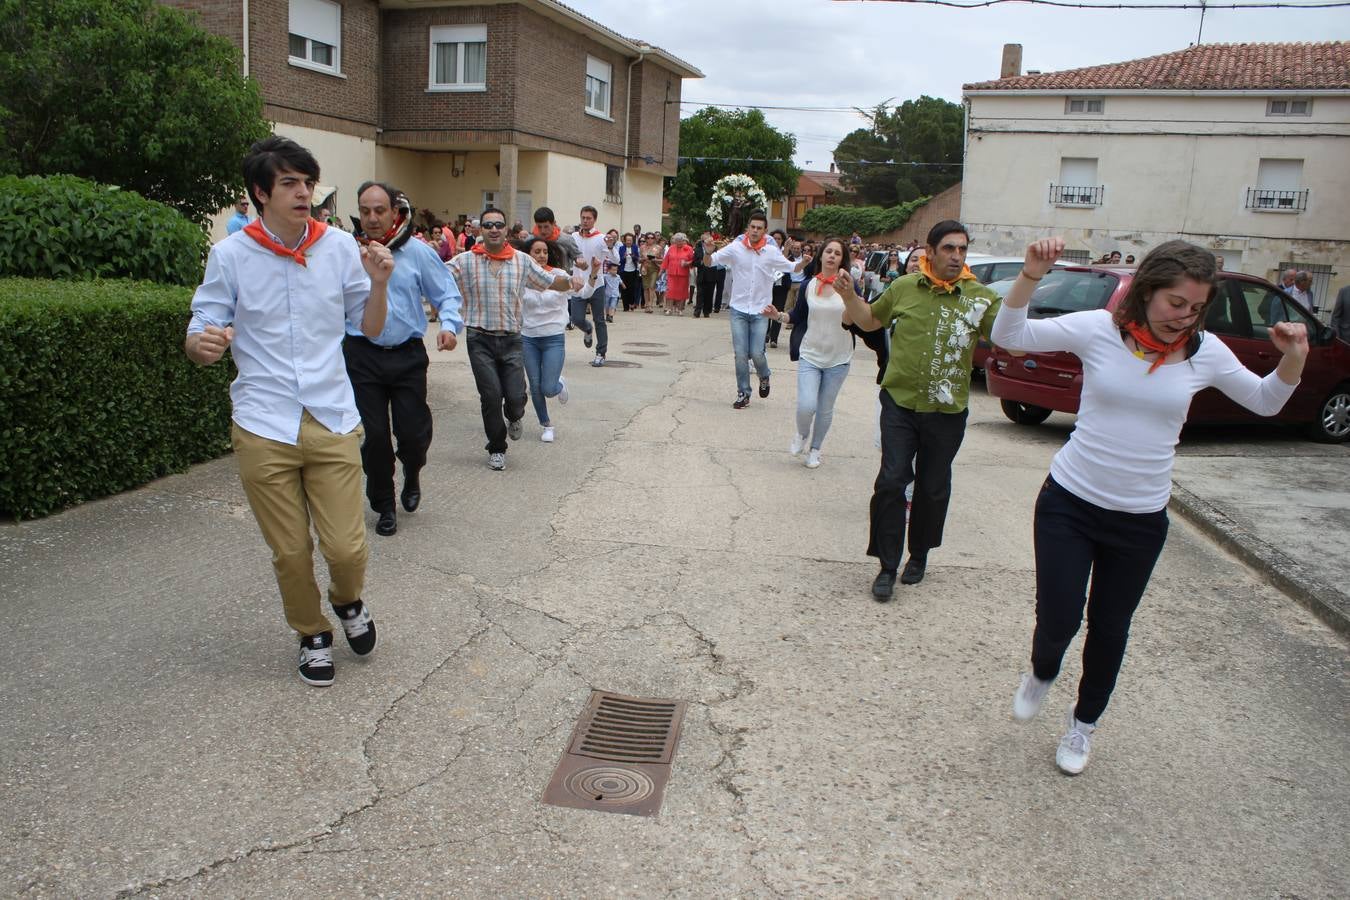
[{"x": 730, "y": 188}]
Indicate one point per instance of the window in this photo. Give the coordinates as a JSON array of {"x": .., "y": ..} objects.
[
  {"x": 1289, "y": 107},
  {"x": 776, "y": 208},
  {"x": 316, "y": 35},
  {"x": 458, "y": 58},
  {"x": 597, "y": 87},
  {"x": 613, "y": 184},
  {"x": 1084, "y": 105},
  {"x": 1077, "y": 184},
  {"x": 1278, "y": 187}
]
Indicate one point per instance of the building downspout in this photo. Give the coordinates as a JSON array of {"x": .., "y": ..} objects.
[
  {"x": 245, "y": 38},
  {"x": 642, "y": 50}
]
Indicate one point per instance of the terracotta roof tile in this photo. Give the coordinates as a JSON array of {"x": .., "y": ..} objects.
[{"x": 1260, "y": 67}]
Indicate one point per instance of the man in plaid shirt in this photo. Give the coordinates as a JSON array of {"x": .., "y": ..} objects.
[{"x": 491, "y": 277}]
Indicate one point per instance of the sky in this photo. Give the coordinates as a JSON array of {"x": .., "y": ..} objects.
[{"x": 858, "y": 54}]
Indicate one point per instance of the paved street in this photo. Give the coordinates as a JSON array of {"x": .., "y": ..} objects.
[{"x": 158, "y": 743}]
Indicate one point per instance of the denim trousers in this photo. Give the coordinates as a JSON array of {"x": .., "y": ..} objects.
[
  {"x": 916, "y": 447},
  {"x": 596, "y": 303},
  {"x": 543, "y": 366},
  {"x": 1076, "y": 539},
  {"x": 499, "y": 373},
  {"x": 817, "y": 389},
  {"x": 747, "y": 339}
]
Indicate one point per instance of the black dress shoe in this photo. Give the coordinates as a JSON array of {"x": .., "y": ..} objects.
[
  {"x": 913, "y": 573},
  {"x": 387, "y": 524},
  {"x": 411, "y": 496},
  {"x": 883, "y": 588}
]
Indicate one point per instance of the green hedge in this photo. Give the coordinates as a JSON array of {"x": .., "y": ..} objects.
[
  {"x": 96, "y": 395},
  {"x": 866, "y": 220},
  {"x": 61, "y": 226}
]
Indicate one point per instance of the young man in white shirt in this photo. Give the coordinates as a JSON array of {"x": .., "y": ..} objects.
[
  {"x": 278, "y": 294},
  {"x": 753, "y": 262},
  {"x": 591, "y": 246}
]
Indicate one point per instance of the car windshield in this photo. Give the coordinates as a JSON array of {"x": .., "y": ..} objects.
[{"x": 1061, "y": 292}]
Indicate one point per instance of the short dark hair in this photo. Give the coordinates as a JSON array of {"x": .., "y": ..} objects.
[
  {"x": 1164, "y": 266},
  {"x": 944, "y": 228},
  {"x": 268, "y": 157},
  {"x": 491, "y": 209},
  {"x": 392, "y": 192},
  {"x": 592, "y": 210},
  {"x": 778, "y": 232},
  {"x": 543, "y": 214},
  {"x": 758, "y": 215}
]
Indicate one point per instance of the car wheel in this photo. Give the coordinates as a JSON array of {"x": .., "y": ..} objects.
[
  {"x": 1332, "y": 424},
  {"x": 1024, "y": 413}
]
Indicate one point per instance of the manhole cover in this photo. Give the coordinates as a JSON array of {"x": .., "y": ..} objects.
[
  {"x": 648, "y": 353},
  {"x": 620, "y": 755},
  {"x": 642, "y": 344},
  {"x": 622, "y": 364}
]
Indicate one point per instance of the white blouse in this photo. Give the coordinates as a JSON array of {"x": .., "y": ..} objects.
[{"x": 826, "y": 343}]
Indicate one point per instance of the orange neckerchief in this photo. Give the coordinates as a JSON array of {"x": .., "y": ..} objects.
[
  {"x": 745, "y": 239},
  {"x": 1145, "y": 339},
  {"x": 507, "y": 251},
  {"x": 590, "y": 234},
  {"x": 256, "y": 231},
  {"x": 947, "y": 286},
  {"x": 557, "y": 233},
  {"x": 826, "y": 281}
]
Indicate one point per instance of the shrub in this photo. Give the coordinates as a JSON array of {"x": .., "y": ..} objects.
[
  {"x": 866, "y": 220},
  {"x": 96, "y": 395},
  {"x": 66, "y": 227}
]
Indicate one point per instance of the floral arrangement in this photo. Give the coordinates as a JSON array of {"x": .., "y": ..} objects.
[{"x": 733, "y": 191}]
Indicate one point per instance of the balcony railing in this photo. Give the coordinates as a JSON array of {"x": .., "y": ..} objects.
[
  {"x": 1076, "y": 195},
  {"x": 1263, "y": 200}
]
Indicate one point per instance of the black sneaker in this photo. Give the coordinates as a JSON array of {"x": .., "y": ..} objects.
[
  {"x": 358, "y": 626},
  {"x": 883, "y": 589},
  {"x": 914, "y": 569},
  {"x": 316, "y": 659},
  {"x": 742, "y": 401},
  {"x": 588, "y": 340},
  {"x": 764, "y": 387}
]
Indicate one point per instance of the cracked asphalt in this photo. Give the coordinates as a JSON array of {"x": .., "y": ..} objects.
[{"x": 157, "y": 742}]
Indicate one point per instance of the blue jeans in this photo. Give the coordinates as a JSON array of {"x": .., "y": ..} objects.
[
  {"x": 817, "y": 389},
  {"x": 543, "y": 366},
  {"x": 747, "y": 339}
]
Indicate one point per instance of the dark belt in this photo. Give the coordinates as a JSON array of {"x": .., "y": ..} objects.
[
  {"x": 497, "y": 333},
  {"x": 408, "y": 343}
]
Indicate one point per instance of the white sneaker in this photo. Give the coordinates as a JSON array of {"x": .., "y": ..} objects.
[
  {"x": 563, "y": 396},
  {"x": 1074, "y": 747},
  {"x": 547, "y": 436},
  {"x": 813, "y": 459},
  {"x": 496, "y": 461},
  {"x": 598, "y": 362},
  {"x": 798, "y": 442},
  {"x": 1029, "y": 697}
]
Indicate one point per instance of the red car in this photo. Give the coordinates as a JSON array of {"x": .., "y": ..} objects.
[{"x": 1032, "y": 386}]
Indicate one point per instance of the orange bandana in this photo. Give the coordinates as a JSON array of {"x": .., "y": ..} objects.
[
  {"x": 557, "y": 233},
  {"x": 745, "y": 239},
  {"x": 507, "y": 251},
  {"x": 1144, "y": 338},
  {"x": 589, "y": 234},
  {"x": 947, "y": 286},
  {"x": 256, "y": 231},
  {"x": 826, "y": 281}
]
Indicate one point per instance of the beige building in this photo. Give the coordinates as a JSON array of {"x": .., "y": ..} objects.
[
  {"x": 465, "y": 103},
  {"x": 1240, "y": 148}
]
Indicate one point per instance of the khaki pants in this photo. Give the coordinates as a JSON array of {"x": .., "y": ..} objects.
[{"x": 319, "y": 477}]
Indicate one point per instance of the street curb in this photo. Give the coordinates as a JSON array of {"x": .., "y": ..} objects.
[{"x": 1328, "y": 603}]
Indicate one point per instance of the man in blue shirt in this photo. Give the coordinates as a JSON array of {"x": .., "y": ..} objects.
[
  {"x": 240, "y": 217},
  {"x": 389, "y": 372}
]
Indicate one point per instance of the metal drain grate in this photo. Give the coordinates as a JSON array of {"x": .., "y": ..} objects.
[
  {"x": 648, "y": 353},
  {"x": 622, "y": 364},
  {"x": 620, "y": 755},
  {"x": 642, "y": 344}
]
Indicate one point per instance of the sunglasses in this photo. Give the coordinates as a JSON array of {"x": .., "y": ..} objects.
[{"x": 493, "y": 225}]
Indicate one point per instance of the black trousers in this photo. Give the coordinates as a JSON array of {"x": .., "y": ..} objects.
[
  {"x": 630, "y": 289},
  {"x": 1119, "y": 549},
  {"x": 385, "y": 381},
  {"x": 705, "y": 285},
  {"x": 719, "y": 284},
  {"x": 498, "y": 364},
  {"x": 780, "y": 292},
  {"x": 917, "y": 447}
]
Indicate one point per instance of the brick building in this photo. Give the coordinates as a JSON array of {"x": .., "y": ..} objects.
[{"x": 520, "y": 103}]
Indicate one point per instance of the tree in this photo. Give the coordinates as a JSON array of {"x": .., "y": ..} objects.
[
  {"x": 717, "y": 142},
  {"x": 910, "y": 151},
  {"x": 128, "y": 93}
]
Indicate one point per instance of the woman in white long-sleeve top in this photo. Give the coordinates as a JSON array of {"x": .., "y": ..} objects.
[
  {"x": 1103, "y": 509},
  {"x": 543, "y": 321}
]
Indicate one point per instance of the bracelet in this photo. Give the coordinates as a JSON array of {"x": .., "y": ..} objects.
[{"x": 1028, "y": 277}]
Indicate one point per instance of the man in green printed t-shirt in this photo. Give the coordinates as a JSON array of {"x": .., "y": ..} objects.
[{"x": 939, "y": 313}]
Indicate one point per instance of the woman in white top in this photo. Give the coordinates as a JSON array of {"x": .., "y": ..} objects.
[
  {"x": 544, "y": 317},
  {"x": 822, "y": 347},
  {"x": 1103, "y": 509}
]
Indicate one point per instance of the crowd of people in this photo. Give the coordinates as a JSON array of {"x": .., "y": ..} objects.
[{"x": 327, "y": 331}]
